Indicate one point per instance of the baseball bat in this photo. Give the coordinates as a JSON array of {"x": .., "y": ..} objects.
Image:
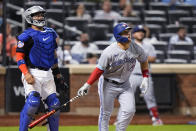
[{"x": 45, "y": 116}]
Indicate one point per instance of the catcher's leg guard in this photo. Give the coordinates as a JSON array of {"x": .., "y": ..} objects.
[
  {"x": 29, "y": 109},
  {"x": 53, "y": 102}
]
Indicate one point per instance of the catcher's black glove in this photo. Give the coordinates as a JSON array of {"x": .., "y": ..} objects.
[{"x": 61, "y": 84}]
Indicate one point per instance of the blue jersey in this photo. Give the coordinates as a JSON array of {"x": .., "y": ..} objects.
[{"x": 38, "y": 46}]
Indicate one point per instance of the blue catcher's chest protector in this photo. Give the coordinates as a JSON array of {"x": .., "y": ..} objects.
[{"x": 42, "y": 52}]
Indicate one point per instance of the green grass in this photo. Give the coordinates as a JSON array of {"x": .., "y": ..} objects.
[{"x": 112, "y": 128}]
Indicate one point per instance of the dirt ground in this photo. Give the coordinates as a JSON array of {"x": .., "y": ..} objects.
[{"x": 68, "y": 120}]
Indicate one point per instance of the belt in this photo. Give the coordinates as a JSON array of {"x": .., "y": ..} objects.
[
  {"x": 40, "y": 68},
  {"x": 112, "y": 81},
  {"x": 137, "y": 74}
]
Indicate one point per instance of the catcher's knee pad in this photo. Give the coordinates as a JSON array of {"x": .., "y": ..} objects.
[
  {"x": 31, "y": 106},
  {"x": 53, "y": 102}
]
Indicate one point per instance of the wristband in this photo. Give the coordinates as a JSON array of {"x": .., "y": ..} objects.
[{"x": 145, "y": 73}]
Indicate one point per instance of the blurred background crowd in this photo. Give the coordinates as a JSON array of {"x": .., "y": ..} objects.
[{"x": 85, "y": 27}]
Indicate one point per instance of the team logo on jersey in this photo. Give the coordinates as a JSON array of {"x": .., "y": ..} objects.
[{"x": 20, "y": 44}]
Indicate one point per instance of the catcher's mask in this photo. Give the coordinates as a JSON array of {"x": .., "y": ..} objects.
[{"x": 32, "y": 11}]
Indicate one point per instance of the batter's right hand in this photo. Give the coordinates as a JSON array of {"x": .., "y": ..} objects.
[
  {"x": 84, "y": 89},
  {"x": 29, "y": 78}
]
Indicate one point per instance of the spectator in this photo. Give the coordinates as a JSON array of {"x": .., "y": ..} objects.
[
  {"x": 123, "y": 3},
  {"x": 172, "y": 3},
  {"x": 80, "y": 12},
  {"x": 148, "y": 38},
  {"x": 11, "y": 43},
  {"x": 92, "y": 58},
  {"x": 180, "y": 36},
  {"x": 128, "y": 11},
  {"x": 79, "y": 50},
  {"x": 107, "y": 13},
  {"x": 64, "y": 56}
]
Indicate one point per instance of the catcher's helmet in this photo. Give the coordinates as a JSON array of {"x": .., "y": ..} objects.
[
  {"x": 28, "y": 14},
  {"x": 118, "y": 29},
  {"x": 138, "y": 28}
]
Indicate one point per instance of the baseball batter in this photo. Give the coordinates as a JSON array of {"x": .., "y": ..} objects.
[
  {"x": 115, "y": 66},
  {"x": 136, "y": 77},
  {"x": 37, "y": 60}
]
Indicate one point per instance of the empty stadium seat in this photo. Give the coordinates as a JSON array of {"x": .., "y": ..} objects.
[
  {"x": 193, "y": 61},
  {"x": 183, "y": 46},
  {"x": 160, "y": 56},
  {"x": 108, "y": 22},
  {"x": 192, "y": 36},
  {"x": 101, "y": 44},
  {"x": 156, "y": 20},
  {"x": 97, "y": 32},
  {"x": 175, "y": 61},
  {"x": 130, "y": 20},
  {"x": 186, "y": 7},
  {"x": 154, "y": 13},
  {"x": 161, "y": 45},
  {"x": 159, "y": 6},
  {"x": 56, "y": 14},
  {"x": 33, "y": 3},
  {"x": 138, "y": 6},
  {"x": 165, "y": 36},
  {"x": 180, "y": 54},
  {"x": 59, "y": 5},
  {"x": 154, "y": 29},
  {"x": 189, "y": 21},
  {"x": 174, "y": 15},
  {"x": 79, "y": 23}
]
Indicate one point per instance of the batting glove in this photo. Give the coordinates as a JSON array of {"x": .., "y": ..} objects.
[
  {"x": 144, "y": 86},
  {"x": 84, "y": 89}
]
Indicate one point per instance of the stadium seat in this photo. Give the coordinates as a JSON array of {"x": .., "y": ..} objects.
[
  {"x": 186, "y": 7},
  {"x": 108, "y": 22},
  {"x": 159, "y": 6},
  {"x": 154, "y": 13},
  {"x": 174, "y": 15},
  {"x": 156, "y": 20},
  {"x": 56, "y": 14},
  {"x": 180, "y": 54},
  {"x": 165, "y": 36},
  {"x": 161, "y": 46},
  {"x": 160, "y": 56},
  {"x": 193, "y": 61},
  {"x": 194, "y": 13},
  {"x": 172, "y": 28},
  {"x": 109, "y": 36},
  {"x": 138, "y": 6},
  {"x": 37, "y": 3},
  {"x": 101, "y": 44},
  {"x": 175, "y": 61},
  {"x": 194, "y": 28},
  {"x": 183, "y": 46},
  {"x": 192, "y": 36},
  {"x": 59, "y": 5},
  {"x": 154, "y": 29},
  {"x": 97, "y": 32},
  {"x": 189, "y": 21},
  {"x": 79, "y": 23},
  {"x": 130, "y": 20}
]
